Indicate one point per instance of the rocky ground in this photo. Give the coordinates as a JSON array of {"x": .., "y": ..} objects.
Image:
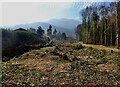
[{"x": 63, "y": 64}]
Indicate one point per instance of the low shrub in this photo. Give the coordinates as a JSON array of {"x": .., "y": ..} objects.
[
  {"x": 15, "y": 43},
  {"x": 77, "y": 47}
]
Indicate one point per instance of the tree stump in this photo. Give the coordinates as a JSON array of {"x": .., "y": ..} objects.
[{"x": 111, "y": 51}]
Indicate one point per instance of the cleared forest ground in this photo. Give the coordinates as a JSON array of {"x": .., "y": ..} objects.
[{"x": 63, "y": 64}]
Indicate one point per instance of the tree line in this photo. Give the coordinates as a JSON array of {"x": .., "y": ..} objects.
[
  {"x": 50, "y": 33},
  {"x": 100, "y": 24}
]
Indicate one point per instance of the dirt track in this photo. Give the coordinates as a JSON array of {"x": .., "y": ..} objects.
[{"x": 101, "y": 47}]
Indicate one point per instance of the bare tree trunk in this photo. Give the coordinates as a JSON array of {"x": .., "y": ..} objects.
[
  {"x": 111, "y": 39},
  {"x": 117, "y": 28},
  {"x": 105, "y": 33}
]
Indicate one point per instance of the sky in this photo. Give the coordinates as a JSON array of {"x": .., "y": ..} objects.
[{"x": 14, "y": 13}]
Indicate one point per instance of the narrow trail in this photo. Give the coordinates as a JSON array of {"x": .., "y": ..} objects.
[{"x": 100, "y": 47}]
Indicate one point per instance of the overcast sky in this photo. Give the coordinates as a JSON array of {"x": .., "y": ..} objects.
[{"x": 14, "y": 13}]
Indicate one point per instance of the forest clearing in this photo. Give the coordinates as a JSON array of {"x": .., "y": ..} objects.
[
  {"x": 60, "y": 44},
  {"x": 67, "y": 63}
]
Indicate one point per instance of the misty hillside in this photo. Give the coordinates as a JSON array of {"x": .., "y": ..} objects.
[
  {"x": 44, "y": 26},
  {"x": 36, "y": 25},
  {"x": 65, "y": 23}
]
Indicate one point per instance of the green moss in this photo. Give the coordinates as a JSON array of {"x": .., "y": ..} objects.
[{"x": 47, "y": 48}]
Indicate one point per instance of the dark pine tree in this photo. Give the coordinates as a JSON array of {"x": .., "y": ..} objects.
[
  {"x": 40, "y": 31},
  {"x": 64, "y": 36},
  {"x": 55, "y": 32},
  {"x": 49, "y": 31}
]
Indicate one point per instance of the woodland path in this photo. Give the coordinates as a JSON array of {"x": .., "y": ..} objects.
[{"x": 107, "y": 48}]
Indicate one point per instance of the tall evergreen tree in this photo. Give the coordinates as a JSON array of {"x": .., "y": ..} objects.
[
  {"x": 49, "y": 31},
  {"x": 55, "y": 32},
  {"x": 40, "y": 31},
  {"x": 63, "y": 36}
]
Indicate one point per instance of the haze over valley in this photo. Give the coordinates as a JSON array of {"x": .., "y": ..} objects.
[{"x": 62, "y": 25}]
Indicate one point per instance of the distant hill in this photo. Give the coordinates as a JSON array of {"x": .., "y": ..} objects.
[{"x": 63, "y": 25}]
